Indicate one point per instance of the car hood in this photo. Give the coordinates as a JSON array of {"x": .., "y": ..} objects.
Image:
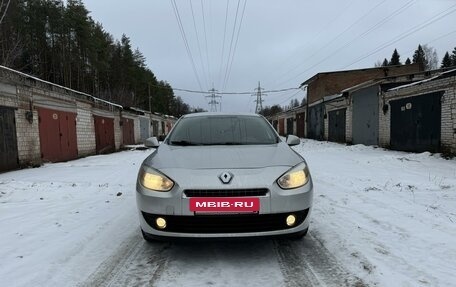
[{"x": 216, "y": 157}]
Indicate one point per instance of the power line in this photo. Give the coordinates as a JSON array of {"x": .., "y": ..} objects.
[
  {"x": 223, "y": 45},
  {"x": 237, "y": 39},
  {"x": 292, "y": 96},
  {"x": 409, "y": 32},
  {"x": 181, "y": 28},
  {"x": 198, "y": 42},
  {"x": 363, "y": 34},
  {"x": 205, "y": 39},
  {"x": 223, "y": 93},
  {"x": 231, "y": 43},
  {"x": 296, "y": 66}
]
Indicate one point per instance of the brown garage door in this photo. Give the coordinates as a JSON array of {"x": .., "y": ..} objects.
[
  {"x": 104, "y": 134},
  {"x": 57, "y": 135},
  {"x": 128, "y": 129},
  {"x": 8, "y": 140},
  {"x": 282, "y": 127}
]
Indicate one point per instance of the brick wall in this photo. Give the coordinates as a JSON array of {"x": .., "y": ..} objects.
[
  {"x": 85, "y": 130},
  {"x": 117, "y": 131},
  {"x": 28, "y": 137},
  {"x": 448, "y": 112},
  {"x": 326, "y": 84}
]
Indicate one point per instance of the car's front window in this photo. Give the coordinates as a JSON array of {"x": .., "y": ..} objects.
[{"x": 222, "y": 130}]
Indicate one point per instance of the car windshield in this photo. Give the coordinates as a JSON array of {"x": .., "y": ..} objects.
[{"x": 223, "y": 130}]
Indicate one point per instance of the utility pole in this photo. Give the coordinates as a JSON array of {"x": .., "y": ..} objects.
[
  {"x": 150, "y": 98},
  {"x": 259, "y": 98},
  {"x": 213, "y": 102}
]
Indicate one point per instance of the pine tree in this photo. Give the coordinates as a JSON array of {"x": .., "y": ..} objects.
[
  {"x": 408, "y": 62},
  {"x": 58, "y": 41},
  {"x": 446, "y": 61},
  {"x": 395, "y": 59},
  {"x": 385, "y": 63},
  {"x": 419, "y": 57},
  {"x": 453, "y": 57}
]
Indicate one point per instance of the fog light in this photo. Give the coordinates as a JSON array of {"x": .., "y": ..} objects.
[
  {"x": 160, "y": 222},
  {"x": 291, "y": 220}
]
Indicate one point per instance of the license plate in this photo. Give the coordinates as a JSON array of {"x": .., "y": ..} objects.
[{"x": 217, "y": 204}]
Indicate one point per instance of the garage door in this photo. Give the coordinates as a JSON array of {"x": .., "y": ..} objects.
[
  {"x": 144, "y": 126},
  {"x": 336, "y": 125},
  {"x": 128, "y": 129},
  {"x": 300, "y": 124},
  {"x": 58, "y": 139},
  {"x": 316, "y": 122},
  {"x": 8, "y": 140},
  {"x": 289, "y": 126},
  {"x": 104, "y": 134},
  {"x": 415, "y": 123},
  {"x": 282, "y": 127},
  {"x": 365, "y": 116}
]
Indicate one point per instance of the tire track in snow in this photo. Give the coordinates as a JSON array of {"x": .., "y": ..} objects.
[
  {"x": 136, "y": 263},
  {"x": 307, "y": 262},
  {"x": 259, "y": 262}
]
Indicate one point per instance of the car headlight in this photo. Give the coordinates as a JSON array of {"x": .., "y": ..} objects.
[
  {"x": 154, "y": 180},
  {"x": 295, "y": 177}
]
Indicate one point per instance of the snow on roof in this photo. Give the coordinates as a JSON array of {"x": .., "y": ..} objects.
[
  {"x": 95, "y": 99},
  {"x": 423, "y": 81},
  {"x": 332, "y": 97}
]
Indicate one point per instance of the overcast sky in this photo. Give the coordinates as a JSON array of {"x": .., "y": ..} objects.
[{"x": 280, "y": 43}]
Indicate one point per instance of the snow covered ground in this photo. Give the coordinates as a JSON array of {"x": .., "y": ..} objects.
[
  {"x": 387, "y": 217},
  {"x": 389, "y": 214}
]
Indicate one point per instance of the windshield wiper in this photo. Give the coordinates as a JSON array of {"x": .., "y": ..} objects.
[{"x": 184, "y": 143}]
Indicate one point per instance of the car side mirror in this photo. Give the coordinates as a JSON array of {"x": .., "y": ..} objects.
[
  {"x": 293, "y": 140},
  {"x": 151, "y": 142}
]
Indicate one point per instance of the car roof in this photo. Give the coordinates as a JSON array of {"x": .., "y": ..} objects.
[{"x": 214, "y": 114}]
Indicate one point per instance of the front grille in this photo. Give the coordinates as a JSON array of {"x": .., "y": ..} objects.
[
  {"x": 225, "y": 192},
  {"x": 235, "y": 223}
]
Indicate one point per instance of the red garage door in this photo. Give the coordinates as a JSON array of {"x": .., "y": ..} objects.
[
  {"x": 104, "y": 134},
  {"x": 57, "y": 135}
]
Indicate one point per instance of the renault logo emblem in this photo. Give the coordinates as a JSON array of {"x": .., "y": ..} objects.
[{"x": 226, "y": 177}]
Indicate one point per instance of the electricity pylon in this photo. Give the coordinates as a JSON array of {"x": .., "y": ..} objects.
[
  {"x": 259, "y": 98},
  {"x": 213, "y": 102}
]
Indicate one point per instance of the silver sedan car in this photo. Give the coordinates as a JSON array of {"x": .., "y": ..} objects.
[{"x": 223, "y": 175}]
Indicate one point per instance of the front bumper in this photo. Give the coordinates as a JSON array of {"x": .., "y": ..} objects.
[{"x": 275, "y": 205}]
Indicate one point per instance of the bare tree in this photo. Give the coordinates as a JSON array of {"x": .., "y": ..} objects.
[
  {"x": 3, "y": 9},
  {"x": 431, "y": 56}
]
